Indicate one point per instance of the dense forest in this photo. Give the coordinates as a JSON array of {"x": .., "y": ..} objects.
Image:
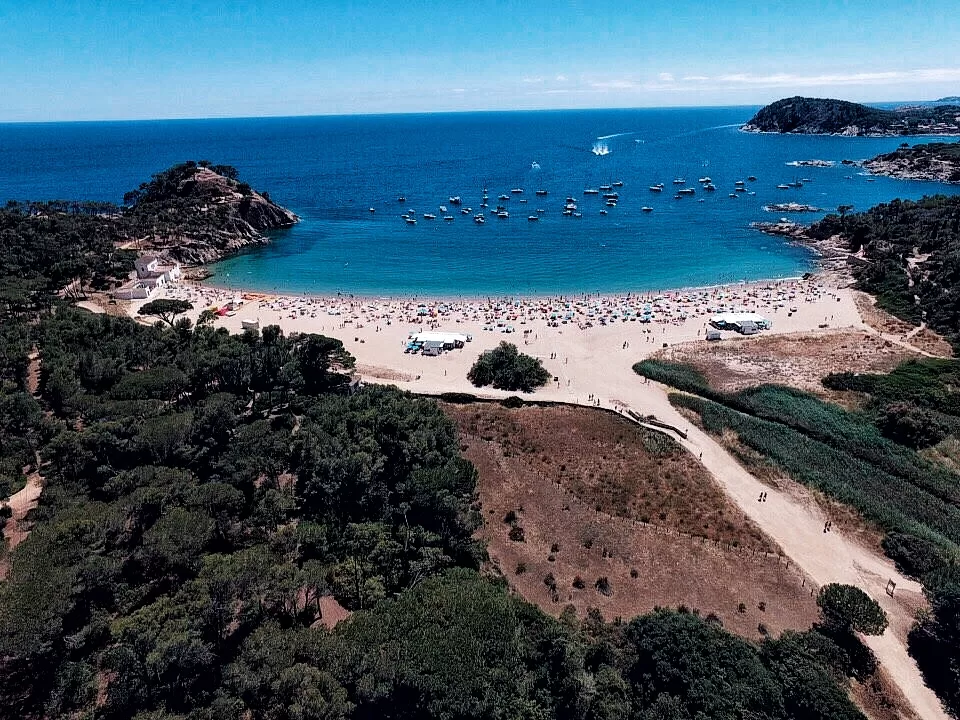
[
  {"x": 911, "y": 251},
  {"x": 821, "y": 116},
  {"x": 915, "y": 500},
  {"x": 213, "y": 504}
]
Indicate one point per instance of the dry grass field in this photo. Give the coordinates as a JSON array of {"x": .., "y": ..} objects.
[{"x": 586, "y": 508}]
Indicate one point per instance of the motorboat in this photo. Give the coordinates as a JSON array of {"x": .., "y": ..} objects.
[
  {"x": 704, "y": 180},
  {"x": 455, "y": 200},
  {"x": 517, "y": 191},
  {"x": 448, "y": 218},
  {"x": 645, "y": 208},
  {"x": 543, "y": 193},
  {"x": 606, "y": 188},
  {"x": 687, "y": 191},
  {"x": 656, "y": 188},
  {"x": 617, "y": 183},
  {"x": 533, "y": 218},
  {"x": 411, "y": 221},
  {"x": 429, "y": 216}
]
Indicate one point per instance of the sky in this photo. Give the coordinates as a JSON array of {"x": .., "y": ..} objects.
[{"x": 111, "y": 60}]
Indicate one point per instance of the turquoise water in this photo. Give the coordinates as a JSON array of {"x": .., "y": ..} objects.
[{"x": 331, "y": 170}]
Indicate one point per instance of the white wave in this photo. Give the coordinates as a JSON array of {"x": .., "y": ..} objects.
[
  {"x": 600, "y": 148},
  {"x": 607, "y": 137}
]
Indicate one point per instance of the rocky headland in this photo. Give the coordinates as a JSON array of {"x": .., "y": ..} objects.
[
  {"x": 936, "y": 162},
  {"x": 198, "y": 213},
  {"x": 819, "y": 116}
]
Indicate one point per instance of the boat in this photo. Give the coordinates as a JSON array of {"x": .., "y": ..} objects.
[
  {"x": 570, "y": 206},
  {"x": 542, "y": 193},
  {"x": 484, "y": 204},
  {"x": 646, "y": 209},
  {"x": 738, "y": 182},
  {"x": 455, "y": 200},
  {"x": 611, "y": 203},
  {"x": 591, "y": 191},
  {"x": 606, "y": 188},
  {"x": 448, "y": 218},
  {"x": 577, "y": 214},
  {"x": 541, "y": 211},
  {"x": 679, "y": 181},
  {"x": 401, "y": 199},
  {"x": 678, "y": 196},
  {"x": 443, "y": 208},
  {"x": 611, "y": 196},
  {"x": 411, "y": 221},
  {"x": 740, "y": 188},
  {"x": 603, "y": 212},
  {"x": 373, "y": 209},
  {"x": 503, "y": 214},
  {"x": 656, "y": 188},
  {"x": 710, "y": 187},
  {"x": 411, "y": 212},
  {"x": 733, "y": 195},
  {"x": 752, "y": 178},
  {"x": 517, "y": 191},
  {"x": 568, "y": 212},
  {"x": 704, "y": 180},
  {"x": 429, "y": 216},
  {"x": 503, "y": 197},
  {"x": 617, "y": 183},
  {"x": 781, "y": 186},
  {"x": 404, "y": 216},
  {"x": 686, "y": 191},
  {"x": 523, "y": 200},
  {"x": 479, "y": 219},
  {"x": 465, "y": 211},
  {"x": 533, "y": 218}
]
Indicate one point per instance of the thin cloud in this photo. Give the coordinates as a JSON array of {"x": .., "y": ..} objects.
[
  {"x": 666, "y": 77},
  {"x": 561, "y": 78},
  {"x": 532, "y": 80},
  {"x": 695, "y": 78}
]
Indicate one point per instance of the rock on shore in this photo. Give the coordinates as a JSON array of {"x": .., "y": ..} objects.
[{"x": 936, "y": 162}]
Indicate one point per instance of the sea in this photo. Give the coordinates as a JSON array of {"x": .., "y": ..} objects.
[{"x": 344, "y": 175}]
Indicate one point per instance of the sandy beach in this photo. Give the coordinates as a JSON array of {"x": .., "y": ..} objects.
[{"x": 583, "y": 340}]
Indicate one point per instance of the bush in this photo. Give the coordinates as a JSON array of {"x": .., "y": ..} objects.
[
  {"x": 907, "y": 424},
  {"x": 506, "y": 368},
  {"x": 682, "y": 376},
  {"x": 512, "y": 403},
  {"x": 913, "y": 555},
  {"x": 603, "y": 586},
  {"x": 517, "y": 534},
  {"x": 846, "y": 608},
  {"x": 578, "y": 583}
]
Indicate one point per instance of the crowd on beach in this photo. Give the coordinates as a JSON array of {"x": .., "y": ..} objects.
[{"x": 502, "y": 314}]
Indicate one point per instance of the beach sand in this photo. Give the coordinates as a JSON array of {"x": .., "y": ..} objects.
[{"x": 586, "y": 342}]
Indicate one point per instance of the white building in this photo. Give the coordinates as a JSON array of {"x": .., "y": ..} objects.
[{"x": 152, "y": 273}]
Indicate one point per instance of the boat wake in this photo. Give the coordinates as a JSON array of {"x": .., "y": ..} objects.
[{"x": 615, "y": 135}]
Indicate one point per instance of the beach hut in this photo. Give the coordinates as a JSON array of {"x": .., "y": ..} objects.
[{"x": 713, "y": 335}]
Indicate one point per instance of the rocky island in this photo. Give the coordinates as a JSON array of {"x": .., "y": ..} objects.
[
  {"x": 937, "y": 162},
  {"x": 819, "y": 116},
  {"x": 199, "y": 213}
]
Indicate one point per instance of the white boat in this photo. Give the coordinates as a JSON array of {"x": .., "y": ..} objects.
[
  {"x": 455, "y": 200},
  {"x": 373, "y": 209},
  {"x": 618, "y": 183},
  {"x": 541, "y": 193},
  {"x": 411, "y": 221},
  {"x": 646, "y": 209},
  {"x": 606, "y": 188},
  {"x": 704, "y": 180},
  {"x": 443, "y": 208},
  {"x": 503, "y": 214},
  {"x": 533, "y": 218},
  {"x": 656, "y": 188},
  {"x": 603, "y": 212},
  {"x": 517, "y": 191},
  {"x": 687, "y": 191},
  {"x": 448, "y": 218},
  {"x": 429, "y": 216},
  {"x": 679, "y": 181},
  {"x": 591, "y": 191},
  {"x": 781, "y": 186}
]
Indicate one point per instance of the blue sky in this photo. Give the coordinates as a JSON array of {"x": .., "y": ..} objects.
[{"x": 86, "y": 60}]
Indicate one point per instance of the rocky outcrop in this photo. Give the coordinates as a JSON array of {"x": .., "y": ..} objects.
[
  {"x": 935, "y": 162},
  {"x": 200, "y": 213},
  {"x": 790, "y": 207},
  {"x": 818, "y": 116}
]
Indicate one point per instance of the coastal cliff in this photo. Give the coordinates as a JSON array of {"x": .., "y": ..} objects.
[
  {"x": 199, "y": 213},
  {"x": 937, "y": 162},
  {"x": 819, "y": 116}
]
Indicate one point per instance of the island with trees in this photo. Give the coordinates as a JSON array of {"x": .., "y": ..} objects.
[
  {"x": 937, "y": 162},
  {"x": 821, "y": 116}
]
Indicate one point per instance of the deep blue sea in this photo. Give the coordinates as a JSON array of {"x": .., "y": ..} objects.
[{"x": 331, "y": 170}]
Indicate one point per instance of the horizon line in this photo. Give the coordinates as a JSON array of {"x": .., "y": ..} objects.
[{"x": 426, "y": 112}]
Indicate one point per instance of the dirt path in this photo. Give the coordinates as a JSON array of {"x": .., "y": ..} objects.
[
  {"x": 902, "y": 343},
  {"x": 21, "y": 503}
]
